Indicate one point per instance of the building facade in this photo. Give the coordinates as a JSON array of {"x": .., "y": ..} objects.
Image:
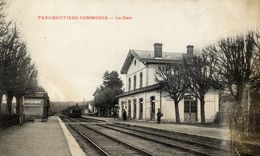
[
  {"x": 143, "y": 95},
  {"x": 36, "y": 105}
]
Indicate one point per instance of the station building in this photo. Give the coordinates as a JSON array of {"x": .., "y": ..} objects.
[
  {"x": 143, "y": 95},
  {"x": 36, "y": 105}
]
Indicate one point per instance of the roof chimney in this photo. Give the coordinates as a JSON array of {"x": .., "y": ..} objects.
[
  {"x": 190, "y": 50},
  {"x": 157, "y": 49}
]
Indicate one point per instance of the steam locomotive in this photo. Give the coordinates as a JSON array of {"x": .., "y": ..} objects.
[{"x": 72, "y": 111}]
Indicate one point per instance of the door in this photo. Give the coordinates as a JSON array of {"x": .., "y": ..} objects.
[
  {"x": 190, "y": 109},
  {"x": 140, "y": 109},
  {"x": 152, "y": 110},
  {"x": 122, "y": 108},
  {"x": 129, "y": 109},
  {"x": 134, "y": 115}
]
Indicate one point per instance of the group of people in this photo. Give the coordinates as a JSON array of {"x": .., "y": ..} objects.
[{"x": 159, "y": 115}]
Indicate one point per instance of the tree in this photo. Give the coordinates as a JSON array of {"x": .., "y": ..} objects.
[
  {"x": 256, "y": 63},
  {"x": 8, "y": 49},
  {"x": 111, "y": 80},
  {"x": 174, "y": 82},
  {"x": 19, "y": 74},
  {"x": 201, "y": 77},
  {"x": 25, "y": 81},
  {"x": 236, "y": 65},
  {"x": 105, "y": 95},
  {"x": 3, "y": 32},
  {"x": 4, "y": 25},
  {"x": 106, "y": 98}
]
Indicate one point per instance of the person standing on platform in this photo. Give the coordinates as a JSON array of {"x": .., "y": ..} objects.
[
  {"x": 124, "y": 115},
  {"x": 159, "y": 115}
]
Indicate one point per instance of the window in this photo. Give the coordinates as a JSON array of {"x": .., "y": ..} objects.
[
  {"x": 129, "y": 83},
  {"x": 186, "y": 106},
  {"x": 190, "y": 104},
  {"x": 135, "y": 62},
  {"x": 141, "y": 80},
  {"x": 135, "y": 82},
  {"x": 193, "y": 107}
]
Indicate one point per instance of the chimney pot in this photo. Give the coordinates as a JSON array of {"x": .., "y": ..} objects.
[
  {"x": 190, "y": 50},
  {"x": 157, "y": 49}
]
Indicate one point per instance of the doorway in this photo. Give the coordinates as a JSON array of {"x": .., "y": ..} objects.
[
  {"x": 190, "y": 109},
  {"x": 141, "y": 109},
  {"x": 134, "y": 115},
  {"x": 122, "y": 108},
  {"x": 152, "y": 110},
  {"x": 129, "y": 109}
]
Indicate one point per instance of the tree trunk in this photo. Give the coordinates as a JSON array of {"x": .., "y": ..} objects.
[
  {"x": 235, "y": 125},
  {"x": 177, "y": 114},
  {"x": 1, "y": 97},
  {"x": 108, "y": 112},
  {"x": 9, "y": 102},
  {"x": 202, "y": 110},
  {"x": 18, "y": 103}
]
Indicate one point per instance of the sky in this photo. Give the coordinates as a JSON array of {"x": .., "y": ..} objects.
[{"x": 72, "y": 55}]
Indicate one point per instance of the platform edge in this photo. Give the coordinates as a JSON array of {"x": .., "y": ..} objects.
[{"x": 73, "y": 145}]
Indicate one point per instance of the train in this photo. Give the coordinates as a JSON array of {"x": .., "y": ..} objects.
[{"x": 72, "y": 111}]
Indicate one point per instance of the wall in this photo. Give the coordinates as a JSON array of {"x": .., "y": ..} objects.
[
  {"x": 151, "y": 74},
  {"x": 211, "y": 105},
  {"x": 33, "y": 108},
  {"x": 167, "y": 106},
  {"x": 148, "y": 74},
  {"x": 135, "y": 70},
  {"x": 146, "y": 104}
]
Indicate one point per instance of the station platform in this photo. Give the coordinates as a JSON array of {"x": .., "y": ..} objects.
[{"x": 39, "y": 138}]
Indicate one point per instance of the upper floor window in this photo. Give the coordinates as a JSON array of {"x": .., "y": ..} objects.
[
  {"x": 135, "y": 82},
  {"x": 129, "y": 83},
  {"x": 134, "y": 62},
  {"x": 141, "y": 79}
]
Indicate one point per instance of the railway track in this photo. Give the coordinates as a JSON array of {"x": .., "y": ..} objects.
[
  {"x": 98, "y": 150},
  {"x": 149, "y": 143},
  {"x": 191, "y": 146},
  {"x": 90, "y": 120},
  {"x": 105, "y": 144}
]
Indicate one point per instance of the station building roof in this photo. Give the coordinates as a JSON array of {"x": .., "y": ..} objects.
[{"x": 147, "y": 57}]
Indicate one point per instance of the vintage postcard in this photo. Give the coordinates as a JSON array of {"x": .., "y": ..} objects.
[{"x": 96, "y": 77}]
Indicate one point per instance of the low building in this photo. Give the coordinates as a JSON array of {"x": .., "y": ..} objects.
[
  {"x": 36, "y": 105},
  {"x": 143, "y": 95}
]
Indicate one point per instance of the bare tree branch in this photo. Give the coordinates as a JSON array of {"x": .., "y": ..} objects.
[{"x": 174, "y": 82}]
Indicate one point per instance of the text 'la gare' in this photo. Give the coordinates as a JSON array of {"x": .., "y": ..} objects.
[{"x": 123, "y": 17}]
